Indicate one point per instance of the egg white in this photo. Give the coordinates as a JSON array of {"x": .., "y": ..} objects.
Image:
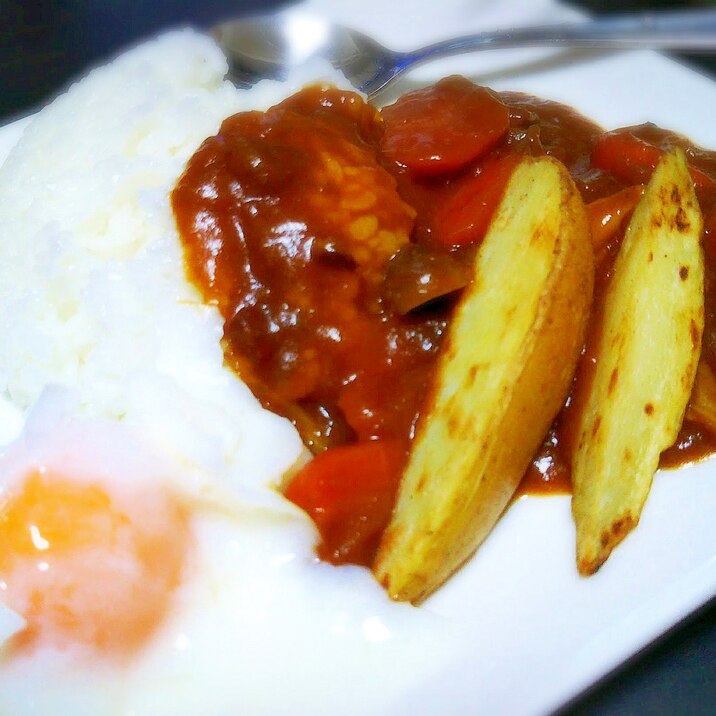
[{"x": 258, "y": 624}]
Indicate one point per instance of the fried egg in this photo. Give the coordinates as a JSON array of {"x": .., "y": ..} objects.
[{"x": 132, "y": 583}]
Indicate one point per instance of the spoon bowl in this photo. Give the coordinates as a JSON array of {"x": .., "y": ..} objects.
[{"x": 270, "y": 46}]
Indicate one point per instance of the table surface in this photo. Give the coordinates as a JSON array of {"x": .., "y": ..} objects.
[{"x": 45, "y": 43}]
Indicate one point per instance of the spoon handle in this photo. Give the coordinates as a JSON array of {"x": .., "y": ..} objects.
[{"x": 694, "y": 31}]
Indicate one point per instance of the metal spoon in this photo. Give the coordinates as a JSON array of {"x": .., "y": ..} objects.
[{"x": 268, "y": 46}]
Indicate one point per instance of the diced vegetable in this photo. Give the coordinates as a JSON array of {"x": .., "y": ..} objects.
[
  {"x": 349, "y": 492},
  {"x": 466, "y": 215},
  {"x": 417, "y": 275},
  {"x": 632, "y": 160},
  {"x": 607, "y": 215},
  {"x": 441, "y": 128}
]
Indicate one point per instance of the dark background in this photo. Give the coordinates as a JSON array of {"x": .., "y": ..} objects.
[{"x": 46, "y": 43}]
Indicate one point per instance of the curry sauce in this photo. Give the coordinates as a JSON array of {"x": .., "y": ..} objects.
[{"x": 335, "y": 240}]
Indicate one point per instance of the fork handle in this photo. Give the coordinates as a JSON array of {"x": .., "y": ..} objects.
[{"x": 692, "y": 30}]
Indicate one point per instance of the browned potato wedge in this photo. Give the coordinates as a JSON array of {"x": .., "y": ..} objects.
[
  {"x": 649, "y": 346},
  {"x": 503, "y": 374},
  {"x": 702, "y": 405}
]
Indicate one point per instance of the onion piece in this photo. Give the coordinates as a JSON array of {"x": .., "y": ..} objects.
[{"x": 416, "y": 275}]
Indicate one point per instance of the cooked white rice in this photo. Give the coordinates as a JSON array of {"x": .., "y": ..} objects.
[{"x": 92, "y": 288}]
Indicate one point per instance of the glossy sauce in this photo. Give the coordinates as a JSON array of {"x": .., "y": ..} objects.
[
  {"x": 332, "y": 266},
  {"x": 289, "y": 221}
]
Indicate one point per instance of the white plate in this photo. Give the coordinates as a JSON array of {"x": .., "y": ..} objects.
[
  {"x": 539, "y": 633},
  {"x": 535, "y": 633}
]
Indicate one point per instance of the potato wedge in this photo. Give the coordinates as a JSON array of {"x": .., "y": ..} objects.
[
  {"x": 503, "y": 374},
  {"x": 646, "y": 358}
]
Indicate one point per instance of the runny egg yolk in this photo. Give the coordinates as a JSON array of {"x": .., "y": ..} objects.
[{"x": 85, "y": 568}]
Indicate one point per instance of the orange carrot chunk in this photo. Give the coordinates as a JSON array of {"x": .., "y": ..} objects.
[
  {"x": 349, "y": 493},
  {"x": 443, "y": 127},
  {"x": 464, "y": 218},
  {"x": 631, "y": 160}
]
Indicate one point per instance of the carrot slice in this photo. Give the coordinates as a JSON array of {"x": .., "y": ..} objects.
[
  {"x": 349, "y": 493},
  {"x": 441, "y": 128},
  {"x": 463, "y": 219},
  {"x": 632, "y": 160},
  {"x": 607, "y": 215}
]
